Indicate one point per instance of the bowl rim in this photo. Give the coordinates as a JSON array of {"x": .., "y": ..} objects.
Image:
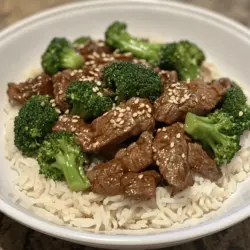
[{"x": 168, "y": 237}]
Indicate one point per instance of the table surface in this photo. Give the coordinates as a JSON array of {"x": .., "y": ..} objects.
[{"x": 14, "y": 236}]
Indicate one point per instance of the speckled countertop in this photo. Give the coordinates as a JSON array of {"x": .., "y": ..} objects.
[{"x": 14, "y": 236}]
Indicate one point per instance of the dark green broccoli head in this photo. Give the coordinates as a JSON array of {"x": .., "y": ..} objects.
[
  {"x": 215, "y": 133},
  {"x": 132, "y": 80},
  {"x": 34, "y": 121},
  {"x": 81, "y": 40},
  {"x": 184, "y": 57},
  {"x": 234, "y": 104},
  {"x": 117, "y": 37},
  {"x": 59, "y": 55},
  {"x": 87, "y": 100},
  {"x": 61, "y": 158}
]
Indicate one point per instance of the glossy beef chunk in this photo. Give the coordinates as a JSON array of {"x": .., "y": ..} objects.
[
  {"x": 93, "y": 46},
  {"x": 170, "y": 148},
  {"x": 19, "y": 93},
  {"x": 140, "y": 186},
  {"x": 61, "y": 81},
  {"x": 195, "y": 96},
  {"x": 127, "y": 120},
  {"x": 137, "y": 156},
  {"x": 201, "y": 163},
  {"x": 70, "y": 123},
  {"x": 106, "y": 178}
]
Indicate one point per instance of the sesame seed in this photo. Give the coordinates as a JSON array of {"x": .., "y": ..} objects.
[
  {"x": 178, "y": 135},
  {"x": 136, "y": 101},
  {"x": 58, "y": 111},
  {"x": 128, "y": 108},
  {"x": 154, "y": 149},
  {"x": 142, "y": 105},
  {"x": 140, "y": 176},
  {"x": 116, "y": 98},
  {"x": 148, "y": 115},
  {"x": 183, "y": 155},
  {"x": 112, "y": 121},
  {"x": 65, "y": 119},
  {"x": 100, "y": 94},
  {"x": 42, "y": 104},
  {"x": 241, "y": 113},
  {"x": 73, "y": 129},
  {"x": 121, "y": 122},
  {"x": 118, "y": 119},
  {"x": 149, "y": 110},
  {"x": 203, "y": 97},
  {"x": 157, "y": 162},
  {"x": 115, "y": 113},
  {"x": 51, "y": 101},
  {"x": 172, "y": 145},
  {"x": 98, "y": 83},
  {"x": 60, "y": 92},
  {"x": 53, "y": 105},
  {"x": 74, "y": 121},
  {"x": 135, "y": 115},
  {"x": 67, "y": 111},
  {"x": 164, "y": 129},
  {"x": 121, "y": 115}
]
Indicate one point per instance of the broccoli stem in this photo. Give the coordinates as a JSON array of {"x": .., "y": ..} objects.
[
  {"x": 72, "y": 60},
  {"x": 140, "y": 49},
  {"x": 66, "y": 163}
]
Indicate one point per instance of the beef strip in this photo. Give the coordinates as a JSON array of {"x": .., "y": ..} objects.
[
  {"x": 170, "y": 148},
  {"x": 19, "y": 93},
  {"x": 201, "y": 163},
  {"x": 195, "y": 96},
  {"x": 140, "y": 186},
  {"x": 93, "y": 46},
  {"x": 138, "y": 155},
  {"x": 176, "y": 155},
  {"x": 126, "y": 120},
  {"x": 105, "y": 178}
]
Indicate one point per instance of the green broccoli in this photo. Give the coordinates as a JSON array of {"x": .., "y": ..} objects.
[
  {"x": 34, "y": 121},
  {"x": 132, "y": 80},
  {"x": 61, "y": 158},
  {"x": 234, "y": 104},
  {"x": 59, "y": 55},
  {"x": 87, "y": 100},
  {"x": 183, "y": 57},
  {"x": 117, "y": 37},
  {"x": 81, "y": 40},
  {"x": 218, "y": 132}
]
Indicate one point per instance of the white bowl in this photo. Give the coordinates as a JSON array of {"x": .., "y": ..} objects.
[{"x": 225, "y": 42}]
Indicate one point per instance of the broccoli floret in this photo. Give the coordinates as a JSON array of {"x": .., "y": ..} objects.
[
  {"x": 234, "y": 104},
  {"x": 34, "y": 121},
  {"x": 61, "y": 158},
  {"x": 215, "y": 132},
  {"x": 183, "y": 57},
  {"x": 81, "y": 40},
  {"x": 87, "y": 100},
  {"x": 117, "y": 37},
  {"x": 132, "y": 80},
  {"x": 59, "y": 55}
]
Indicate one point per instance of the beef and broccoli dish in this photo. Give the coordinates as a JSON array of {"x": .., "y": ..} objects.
[{"x": 143, "y": 109}]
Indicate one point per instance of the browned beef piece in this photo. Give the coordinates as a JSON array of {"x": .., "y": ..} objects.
[
  {"x": 170, "y": 148},
  {"x": 140, "y": 186},
  {"x": 106, "y": 178},
  {"x": 61, "y": 81},
  {"x": 168, "y": 78},
  {"x": 127, "y": 120},
  {"x": 71, "y": 123},
  {"x": 21, "y": 92},
  {"x": 196, "y": 97},
  {"x": 138, "y": 155},
  {"x": 201, "y": 163},
  {"x": 93, "y": 46}
]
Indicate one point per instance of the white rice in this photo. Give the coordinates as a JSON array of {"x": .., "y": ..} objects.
[{"x": 54, "y": 202}]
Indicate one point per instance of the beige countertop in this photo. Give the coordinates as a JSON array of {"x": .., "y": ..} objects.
[{"x": 14, "y": 236}]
